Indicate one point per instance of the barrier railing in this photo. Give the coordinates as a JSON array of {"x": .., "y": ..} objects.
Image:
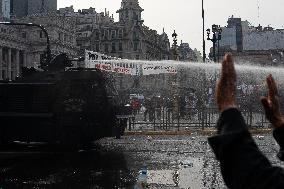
[{"x": 192, "y": 118}]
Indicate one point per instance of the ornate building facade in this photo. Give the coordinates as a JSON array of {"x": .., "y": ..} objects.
[
  {"x": 129, "y": 38},
  {"x": 186, "y": 53}
]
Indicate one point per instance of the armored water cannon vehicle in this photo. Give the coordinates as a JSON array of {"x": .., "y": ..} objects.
[{"x": 58, "y": 103}]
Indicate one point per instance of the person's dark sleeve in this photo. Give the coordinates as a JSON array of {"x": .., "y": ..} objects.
[
  {"x": 278, "y": 134},
  {"x": 242, "y": 163}
]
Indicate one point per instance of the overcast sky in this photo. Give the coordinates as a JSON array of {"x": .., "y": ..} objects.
[{"x": 185, "y": 15}]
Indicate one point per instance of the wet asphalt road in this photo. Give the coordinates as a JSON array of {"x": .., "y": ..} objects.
[{"x": 112, "y": 163}]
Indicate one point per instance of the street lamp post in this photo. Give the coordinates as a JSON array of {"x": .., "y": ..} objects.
[
  {"x": 219, "y": 38},
  {"x": 174, "y": 35},
  {"x": 215, "y": 29},
  {"x": 175, "y": 80}
]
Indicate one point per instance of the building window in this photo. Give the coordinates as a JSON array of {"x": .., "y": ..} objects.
[
  {"x": 4, "y": 30},
  {"x": 97, "y": 47},
  {"x": 41, "y": 58},
  {"x": 61, "y": 36},
  {"x": 24, "y": 35},
  {"x": 135, "y": 16},
  {"x": 97, "y": 36},
  {"x": 137, "y": 57},
  {"x": 13, "y": 58},
  {"x": 120, "y": 46},
  {"x": 120, "y": 33},
  {"x": 134, "y": 35},
  {"x": 135, "y": 48},
  {"x": 112, "y": 34},
  {"x": 106, "y": 34},
  {"x": 113, "y": 47},
  {"x": 106, "y": 48}
]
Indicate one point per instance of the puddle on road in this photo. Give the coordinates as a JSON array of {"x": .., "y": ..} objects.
[{"x": 186, "y": 175}]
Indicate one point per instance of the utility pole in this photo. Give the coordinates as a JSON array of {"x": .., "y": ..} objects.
[{"x": 204, "y": 55}]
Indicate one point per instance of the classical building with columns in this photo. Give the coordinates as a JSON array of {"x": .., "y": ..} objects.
[
  {"x": 13, "y": 53},
  {"x": 22, "y": 46}
]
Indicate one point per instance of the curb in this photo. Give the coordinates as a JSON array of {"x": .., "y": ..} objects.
[{"x": 207, "y": 132}]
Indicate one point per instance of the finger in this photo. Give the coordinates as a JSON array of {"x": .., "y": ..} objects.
[
  {"x": 228, "y": 69},
  {"x": 273, "y": 93},
  {"x": 265, "y": 103},
  {"x": 274, "y": 86},
  {"x": 224, "y": 70},
  {"x": 225, "y": 64}
]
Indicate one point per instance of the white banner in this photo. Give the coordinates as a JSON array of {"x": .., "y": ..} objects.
[
  {"x": 100, "y": 61},
  {"x": 151, "y": 68},
  {"x": 111, "y": 64}
]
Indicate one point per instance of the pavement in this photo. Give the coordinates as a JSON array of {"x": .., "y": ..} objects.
[{"x": 172, "y": 161}]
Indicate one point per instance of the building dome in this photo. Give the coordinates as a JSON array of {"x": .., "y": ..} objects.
[{"x": 130, "y": 11}]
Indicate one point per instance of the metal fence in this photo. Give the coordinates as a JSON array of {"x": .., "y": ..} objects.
[{"x": 170, "y": 120}]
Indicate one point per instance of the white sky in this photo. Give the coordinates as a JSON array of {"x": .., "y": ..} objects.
[{"x": 185, "y": 15}]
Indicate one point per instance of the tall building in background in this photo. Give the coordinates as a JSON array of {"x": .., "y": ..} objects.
[
  {"x": 260, "y": 45},
  {"x": 22, "y": 8},
  {"x": 19, "y": 8},
  {"x": 41, "y": 6}
]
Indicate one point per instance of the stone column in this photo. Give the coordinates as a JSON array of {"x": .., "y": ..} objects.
[
  {"x": 25, "y": 59},
  {"x": 1, "y": 63},
  {"x": 17, "y": 63},
  {"x": 9, "y": 64}
]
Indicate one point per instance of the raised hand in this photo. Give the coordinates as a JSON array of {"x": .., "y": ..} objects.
[
  {"x": 271, "y": 104},
  {"x": 226, "y": 86}
]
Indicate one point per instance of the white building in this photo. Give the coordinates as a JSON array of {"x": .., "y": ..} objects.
[
  {"x": 252, "y": 44},
  {"x": 252, "y": 38},
  {"x": 264, "y": 40},
  {"x": 229, "y": 38}
]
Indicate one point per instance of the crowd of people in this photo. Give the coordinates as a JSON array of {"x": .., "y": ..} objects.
[{"x": 158, "y": 107}]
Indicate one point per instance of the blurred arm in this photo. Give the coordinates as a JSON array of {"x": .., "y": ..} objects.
[
  {"x": 242, "y": 163},
  {"x": 278, "y": 134}
]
